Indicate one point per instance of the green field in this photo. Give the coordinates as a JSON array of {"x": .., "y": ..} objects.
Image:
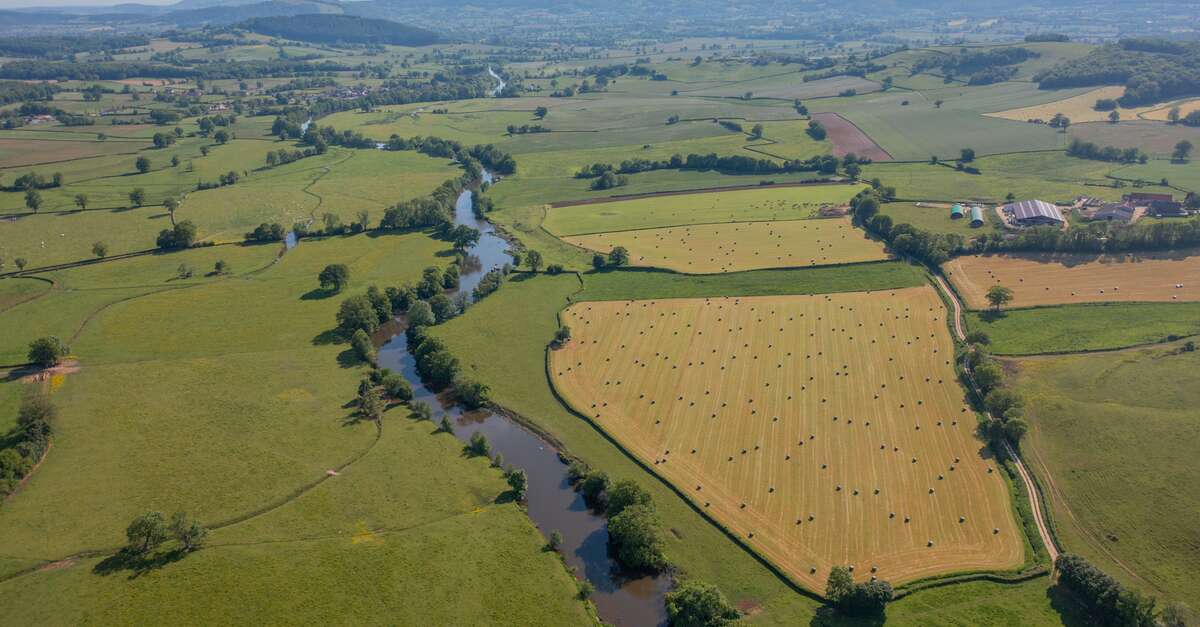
[
  {"x": 640, "y": 284},
  {"x": 770, "y": 203},
  {"x": 1074, "y": 328},
  {"x": 1110, "y": 439},
  {"x": 938, "y": 220}
]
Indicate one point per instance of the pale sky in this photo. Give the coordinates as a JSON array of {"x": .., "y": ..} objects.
[{"x": 14, "y": 4}]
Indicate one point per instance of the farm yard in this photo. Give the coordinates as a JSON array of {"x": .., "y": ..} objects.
[
  {"x": 1053, "y": 279},
  {"x": 768, "y": 415},
  {"x": 737, "y": 246}
]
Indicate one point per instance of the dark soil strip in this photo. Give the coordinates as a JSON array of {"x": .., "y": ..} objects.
[
  {"x": 848, "y": 138},
  {"x": 683, "y": 192}
]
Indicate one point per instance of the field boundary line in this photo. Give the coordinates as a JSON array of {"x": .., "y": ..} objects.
[
  {"x": 696, "y": 191},
  {"x": 1035, "y": 494},
  {"x": 687, "y": 224}
]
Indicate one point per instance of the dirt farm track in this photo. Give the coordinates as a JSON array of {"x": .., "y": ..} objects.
[
  {"x": 823, "y": 430},
  {"x": 1051, "y": 279}
]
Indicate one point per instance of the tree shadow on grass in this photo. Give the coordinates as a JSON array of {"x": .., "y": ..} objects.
[
  {"x": 317, "y": 294},
  {"x": 137, "y": 564},
  {"x": 507, "y": 496},
  {"x": 349, "y": 359},
  {"x": 1069, "y": 610},
  {"x": 992, "y": 315},
  {"x": 828, "y": 616},
  {"x": 330, "y": 336}
]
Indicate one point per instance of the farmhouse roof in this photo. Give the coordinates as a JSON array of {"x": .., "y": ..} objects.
[
  {"x": 1147, "y": 198},
  {"x": 1167, "y": 208},
  {"x": 1114, "y": 211},
  {"x": 1033, "y": 209}
]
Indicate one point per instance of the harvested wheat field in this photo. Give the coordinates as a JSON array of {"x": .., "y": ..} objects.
[
  {"x": 1052, "y": 279},
  {"x": 734, "y": 246},
  {"x": 822, "y": 430},
  {"x": 1080, "y": 108}
]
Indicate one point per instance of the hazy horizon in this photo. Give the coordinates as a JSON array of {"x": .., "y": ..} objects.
[{"x": 25, "y": 4}]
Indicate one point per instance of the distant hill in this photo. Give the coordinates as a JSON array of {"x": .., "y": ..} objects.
[
  {"x": 328, "y": 29},
  {"x": 234, "y": 13}
]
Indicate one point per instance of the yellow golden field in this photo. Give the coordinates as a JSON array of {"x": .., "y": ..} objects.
[
  {"x": 735, "y": 246},
  {"x": 1081, "y": 108},
  {"x": 822, "y": 430},
  {"x": 1051, "y": 279}
]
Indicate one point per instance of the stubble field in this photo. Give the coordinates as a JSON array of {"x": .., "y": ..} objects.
[
  {"x": 1053, "y": 279},
  {"x": 823, "y": 430},
  {"x": 732, "y": 247}
]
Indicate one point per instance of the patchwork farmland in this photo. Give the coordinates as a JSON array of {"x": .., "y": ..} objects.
[
  {"x": 1053, "y": 279},
  {"x": 731, "y": 247},
  {"x": 822, "y": 430}
]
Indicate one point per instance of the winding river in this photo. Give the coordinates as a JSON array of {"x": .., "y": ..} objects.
[
  {"x": 552, "y": 503},
  {"x": 499, "y": 88}
]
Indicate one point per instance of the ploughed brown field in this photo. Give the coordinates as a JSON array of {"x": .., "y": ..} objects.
[
  {"x": 848, "y": 138},
  {"x": 735, "y": 246},
  {"x": 822, "y": 430},
  {"x": 1053, "y": 278}
]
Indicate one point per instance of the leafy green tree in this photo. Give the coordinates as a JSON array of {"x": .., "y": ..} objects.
[
  {"x": 422, "y": 411},
  {"x": 966, "y": 155},
  {"x": 534, "y": 259},
  {"x": 146, "y": 532},
  {"x": 470, "y": 392},
  {"x": 839, "y": 586},
  {"x": 420, "y": 314},
  {"x": 446, "y": 425},
  {"x": 189, "y": 533},
  {"x": 443, "y": 308},
  {"x": 618, "y": 256},
  {"x": 137, "y": 197},
  {"x": 81, "y": 201},
  {"x": 371, "y": 403},
  {"x": 33, "y": 200},
  {"x": 593, "y": 486},
  {"x": 397, "y": 387},
  {"x": 626, "y": 493},
  {"x": 47, "y": 351},
  {"x": 21, "y": 262},
  {"x": 355, "y": 313},
  {"x": 988, "y": 376},
  {"x": 598, "y": 261},
  {"x": 361, "y": 342},
  {"x": 222, "y": 267},
  {"x": 541, "y": 112},
  {"x": 142, "y": 164},
  {"x": 1015, "y": 429},
  {"x": 999, "y": 401},
  {"x": 556, "y": 540},
  {"x": 36, "y": 413},
  {"x": 697, "y": 604},
  {"x": 978, "y": 337},
  {"x": 171, "y": 205},
  {"x": 636, "y": 535},
  {"x": 1183, "y": 150},
  {"x": 519, "y": 483},
  {"x": 334, "y": 277},
  {"x": 478, "y": 445},
  {"x": 100, "y": 250},
  {"x": 999, "y": 296}
]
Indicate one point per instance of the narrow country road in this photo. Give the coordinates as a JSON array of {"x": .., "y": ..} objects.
[{"x": 1035, "y": 503}]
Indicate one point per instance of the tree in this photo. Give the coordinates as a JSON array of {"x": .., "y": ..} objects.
[
  {"x": 556, "y": 540},
  {"x": 1000, "y": 401},
  {"x": 635, "y": 535},
  {"x": 422, "y": 411},
  {"x": 356, "y": 313},
  {"x": 998, "y": 296},
  {"x": 988, "y": 375},
  {"x": 1183, "y": 150},
  {"x": 221, "y": 136},
  {"x": 137, "y": 197},
  {"x": 81, "y": 201},
  {"x": 36, "y": 414},
  {"x": 598, "y": 261},
  {"x": 420, "y": 314},
  {"x": 618, "y": 256},
  {"x": 541, "y": 112},
  {"x": 171, "y": 206},
  {"x": 371, "y": 404},
  {"x": 442, "y": 307},
  {"x": 1173, "y": 115},
  {"x": 757, "y": 131},
  {"x": 33, "y": 200},
  {"x": 1015, "y": 429},
  {"x": 142, "y": 164},
  {"x": 182, "y": 235},
  {"x": 21, "y": 262},
  {"x": 334, "y": 277},
  {"x": 1114, "y": 117},
  {"x": 839, "y": 586},
  {"x": 189, "y": 533},
  {"x": 478, "y": 445},
  {"x": 361, "y": 343},
  {"x": 626, "y": 493},
  {"x": 100, "y": 250},
  {"x": 562, "y": 335},
  {"x": 698, "y": 604},
  {"x": 519, "y": 483},
  {"x": 146, "y": 532},
  {"x": 967, "y": 155},
  {"x": 222, "y": 267},
  {"x": 938, "y": 103},
  {"x": 397, "y": 387},
  {"x": 534, "y": 259},
  {"x": 47, "y": 351}
]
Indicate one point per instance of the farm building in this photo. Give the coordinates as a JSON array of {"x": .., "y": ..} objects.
[
  {"x": 977, "y": 216},
  {"x": 1114, "y": 212},
  {"x": 956, "y": 212},
  {"x": 1033, "y": 213},
  {"x": 1166, "y": 209},
  {"x": 1141, "y": 199}
]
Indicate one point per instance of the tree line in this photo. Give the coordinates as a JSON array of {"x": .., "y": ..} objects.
[
  {"x": 1152, "y": 70},
  {"x": 737, "y": 164}
]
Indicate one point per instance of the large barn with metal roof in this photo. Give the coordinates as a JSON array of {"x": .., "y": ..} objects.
[{"x": 1034, "y": 213}]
